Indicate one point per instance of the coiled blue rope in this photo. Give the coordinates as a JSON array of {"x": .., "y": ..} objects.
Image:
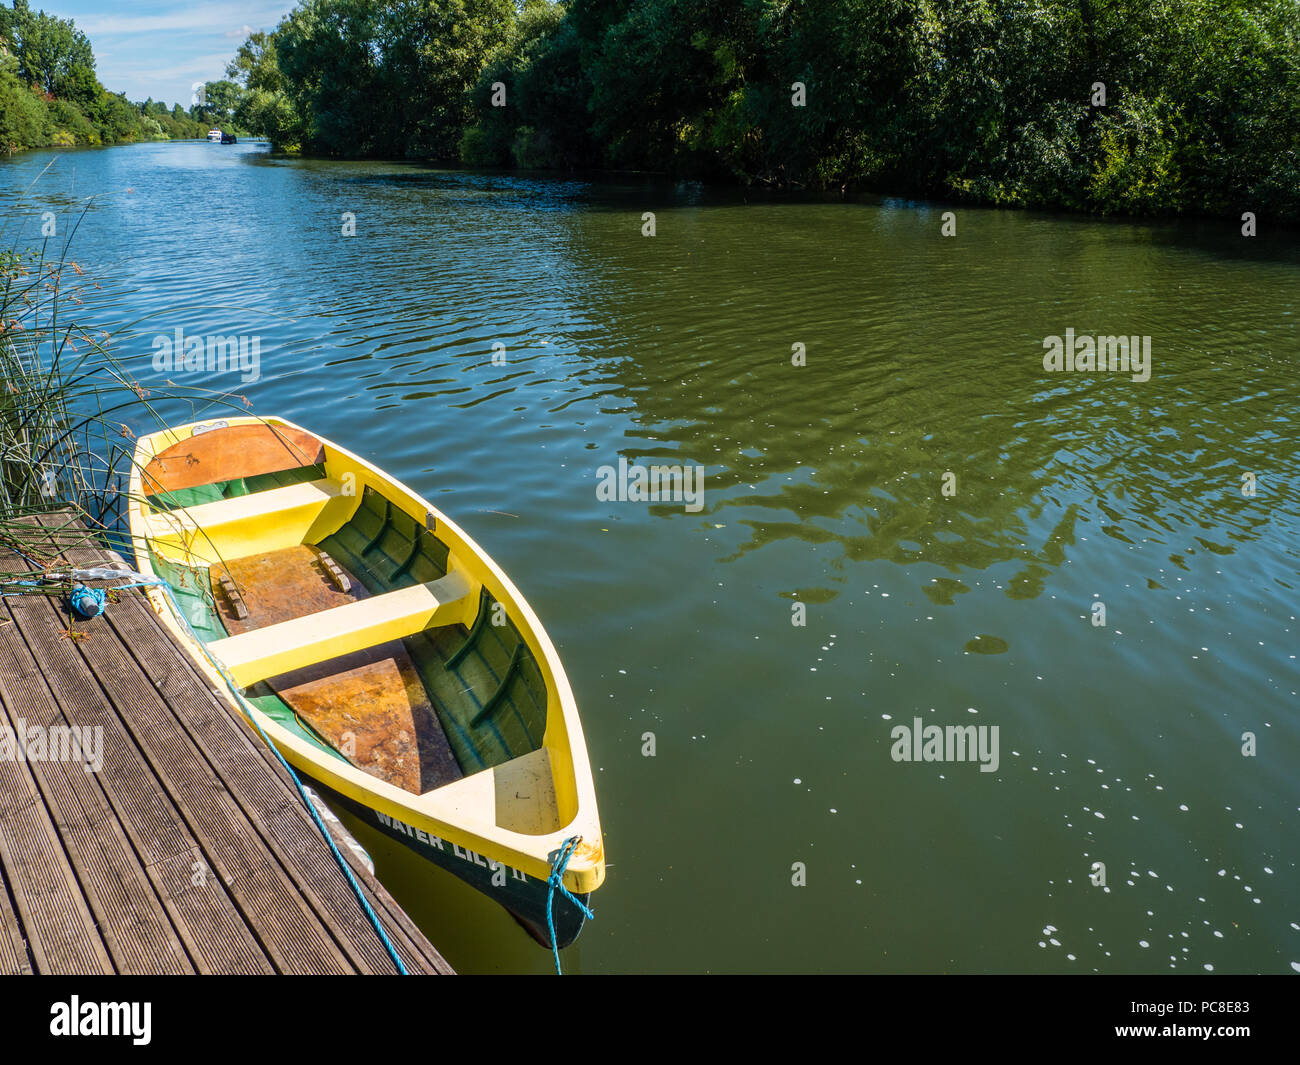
[
  {"x": 556, "y": 880},
  {"x": 87, "y": 602}
]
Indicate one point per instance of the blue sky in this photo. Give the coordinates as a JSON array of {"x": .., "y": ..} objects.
[{"x": 159, "y": 49}]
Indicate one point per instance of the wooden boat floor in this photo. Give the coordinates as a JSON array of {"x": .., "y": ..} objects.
[
  {"x": 230, "y": 453},
  {"x": 370, "y": 706}
]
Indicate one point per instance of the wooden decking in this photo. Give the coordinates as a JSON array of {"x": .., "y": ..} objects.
[{"x": 189, "y": 850}]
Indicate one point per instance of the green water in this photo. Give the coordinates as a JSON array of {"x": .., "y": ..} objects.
[{"x": 824, "y": 486}]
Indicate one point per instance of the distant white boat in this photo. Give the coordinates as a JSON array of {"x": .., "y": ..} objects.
[{"x": 214, "y": 135}]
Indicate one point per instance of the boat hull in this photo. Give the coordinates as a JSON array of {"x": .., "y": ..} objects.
[
  {"x": 522, "y": 797},
  {"x": 523, "y": 896}
]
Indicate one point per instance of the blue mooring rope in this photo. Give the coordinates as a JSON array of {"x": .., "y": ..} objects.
[
  {"x": 91, "y": 602},
  {"x": 356, "y": 888},
  {"x": 315, "y": 814},
  {"x": 87, "y": 602},
  {"x": 556, "y": 880}
]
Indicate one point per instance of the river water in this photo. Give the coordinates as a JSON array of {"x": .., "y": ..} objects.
[{"x": 941, "y": 513}]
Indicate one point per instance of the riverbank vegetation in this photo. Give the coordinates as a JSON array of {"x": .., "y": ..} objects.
[
  {"x": 1093, "y": 105},
  {"x": 50, "y": 96},
  {"x": 69, "y": 411}
]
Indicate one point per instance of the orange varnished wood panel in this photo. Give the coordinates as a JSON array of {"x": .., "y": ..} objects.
[
  {"x": 370, "y": 706},
  {"x": 226, "y": 454}
]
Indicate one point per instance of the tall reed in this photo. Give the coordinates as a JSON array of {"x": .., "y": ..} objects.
[{"x": 67, "y": 407}]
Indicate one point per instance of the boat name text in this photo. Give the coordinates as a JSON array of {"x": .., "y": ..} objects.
[{"x": 463, "y": 853}]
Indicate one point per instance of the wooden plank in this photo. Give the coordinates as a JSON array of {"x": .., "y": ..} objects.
[
  {"x": 301, "y": 842},
  {"x": 234, "y": 847},
  {"x": 305, "y": 641},
  {"x": 61, "y": 931},
  {"x": 14, "y": 957},
  {"x": 214, "y": 931},
  {"x": 240, "y": 756},
  {"x": 190, "y": 849},
  {"x": 136, "y": 931},
  {"x": 142, "y": 807},
  {"x": 230, "y": 453},
  {"x": 419, "y": 954},
  {"x": 226, "y": 742}
]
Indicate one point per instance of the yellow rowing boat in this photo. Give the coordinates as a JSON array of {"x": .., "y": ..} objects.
[{"x": 380, "y": 649}]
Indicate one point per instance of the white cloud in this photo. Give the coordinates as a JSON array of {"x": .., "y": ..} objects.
[
  {"x": 201, "y": 68},
  {"x": 213, "y": 17}
]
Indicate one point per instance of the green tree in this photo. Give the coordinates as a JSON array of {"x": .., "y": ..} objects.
[
  {"x": 24, "y": 120},
  {"x": 220, "y": 100},
  {"x": 544, "y": 121},
  {"x": 264, "y": 107},
  {"x": 1093, "y": 105},
  {"x": 48, "y": 49},
  {"x": 368, "y": 77}
]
